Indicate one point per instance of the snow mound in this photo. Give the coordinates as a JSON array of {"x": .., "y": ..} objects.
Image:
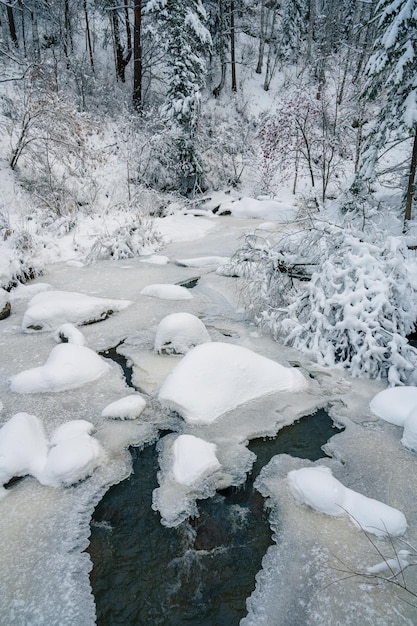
[
  {"x": 68, "y": 366},
  {"x": 68, "y": 333},
  {"x": 71, "y": 429},
  {"x": 74, "y": 454},
  {"x": 71, "y": 460},
  {"x": 317, "y": 488},
  {"x": 395, "y": 404},
  {"x": 193, "y": 459},
  {"x": 214, "y": 378},
  {"x": 49, "y": 309},
  {"x": 156, "y": 259},
  {"x": 179, "y": 332},
  {"x": 127, "y": 408},
  {"x": 409, "y": 438},
  {"x": 183, "y": 227},
  {"x": 23, "y": 448},
  {"x": 204, "y": 261},
  {"x": 260, "y": 209},
  {"x": 167, "y": 292}
]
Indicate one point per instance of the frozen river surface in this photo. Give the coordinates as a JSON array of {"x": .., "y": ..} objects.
[{"x": 315, "y": 572}]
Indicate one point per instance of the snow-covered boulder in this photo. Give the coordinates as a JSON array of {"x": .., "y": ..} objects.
[
  {"x": 317, "y": 488},
  {"x": 5, "y": 307},
  {"x": 398, "y": 405},
  {"x": 50, "y": 309},
  {"x": 194, "y": 458},
  {"x": 23, "y": 448},
  {"x": 166, "y": 292},
  {"x": 68, "y": 366},
  {"x": 204, "y": 261},
  {"x": 72, "y": 459},
  {"x": 68, "y": 430},
  {"x": 394, "y": 404},
  {"x": 214, "y": 378},
  {"x": 127, "y": 408},
  {"x": 179, "y": 332},
  {"x": 68, "y": 333}
]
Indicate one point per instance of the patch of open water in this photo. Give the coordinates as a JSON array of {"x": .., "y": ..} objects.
[{"x": 201, "y": 572}]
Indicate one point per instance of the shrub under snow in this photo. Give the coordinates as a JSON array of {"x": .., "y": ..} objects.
[{"x": 355, "y": 311}]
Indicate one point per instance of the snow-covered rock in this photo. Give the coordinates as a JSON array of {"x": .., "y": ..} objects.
[
  {"x": 317, "y": 488},
  {"x": 214, "y": 378},
  {"x": 68, "y": 430},
  {"x": 5, "y": 307},
  {"x": 166, "y": 292},
  {"x": 67, "y": 367},
  {"x": 23, "y": 448},
  {"x": 68, "y": 333},
  {"x": 72, "y": 459},
  {"x": 194, "y": 458},
  {"x": 179, "y": 332},
  {"x": 50, "y": 309},
  {"x": 204, "y": 261},
  {"x": 394, "y": 404},
  {"x": 127, "y": 408}
]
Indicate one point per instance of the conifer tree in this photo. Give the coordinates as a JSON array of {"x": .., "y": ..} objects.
[
  {"x": 186, "y": 40},
  {"x": 392, "y": 80}
]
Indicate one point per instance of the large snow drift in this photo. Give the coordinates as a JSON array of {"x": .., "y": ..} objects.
[
  {"x": 316, "y": 487},
  {"x": 49, "y": 309},
  {"x": 214, "y": 378},
  {"x": 68, "y": 366}
]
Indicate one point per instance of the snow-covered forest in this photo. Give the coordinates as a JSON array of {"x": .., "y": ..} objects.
[{"x": 232, "y": 181}]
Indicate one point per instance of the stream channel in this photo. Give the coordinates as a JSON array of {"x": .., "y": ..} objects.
[{"x": 201, "y": 572}]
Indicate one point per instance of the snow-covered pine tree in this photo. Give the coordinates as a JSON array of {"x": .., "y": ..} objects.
[
  {"x": 294, "y": 26},
  {"x": 181, "y": 25},
  {"x": 392, "y": 80}
]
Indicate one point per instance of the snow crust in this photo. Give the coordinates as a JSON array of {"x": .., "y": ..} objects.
[
  {"x": 49, "y": 309},
  {"x": 193, "y": 459},
  {"x": 179, "y": 332},
  {"x": 127, "y": 408},
  {"x": 67, "y": 367},
  {"x": 167, "y": 292},
  {"x": 236, "y": 373},
  {"x": 317, "y": 488}
]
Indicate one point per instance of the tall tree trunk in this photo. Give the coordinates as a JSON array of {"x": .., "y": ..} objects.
[
  {"x": 270, "y": 65},
  {"x": 12, "y": 26},
  {"x": 35, "y": 35},
  {"x": 222, "y": 44},
  {"x": 261, "y": 40},
  {"x": 232, "y": 44},
  {"x": 410, "y": 186},
  {"x": 137, "y": 55},
  {"x": 88, "y": 35},
  {"x": 23, "y": 26}
]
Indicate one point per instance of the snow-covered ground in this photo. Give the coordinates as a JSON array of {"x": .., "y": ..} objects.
[{"x": 44, "y": 528}]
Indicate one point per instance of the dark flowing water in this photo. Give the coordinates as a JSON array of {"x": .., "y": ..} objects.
[{"x": 200, "y": 573}]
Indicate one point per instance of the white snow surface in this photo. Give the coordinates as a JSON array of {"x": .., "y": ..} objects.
[
  {"x": 73, "y": 454},
  {"x": 317, "y": 488},
  {"x": 265, "y": 209},
  {"x": 67, "y": 367},
  {"x": 48, "y": 310},
  {"x": 204, "y": 261},
  {"x": 179, "y": 332},
  {"x": 237, "y": 375},
  {"x": 395, "y": 404},
  {"x": 68, "y": 333},
  {"x": 166, "y": 292},
  {"x": 127, "y": 408},
  {"x": 44, "y": 568},
  {"x": 194, "y": 458}
]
